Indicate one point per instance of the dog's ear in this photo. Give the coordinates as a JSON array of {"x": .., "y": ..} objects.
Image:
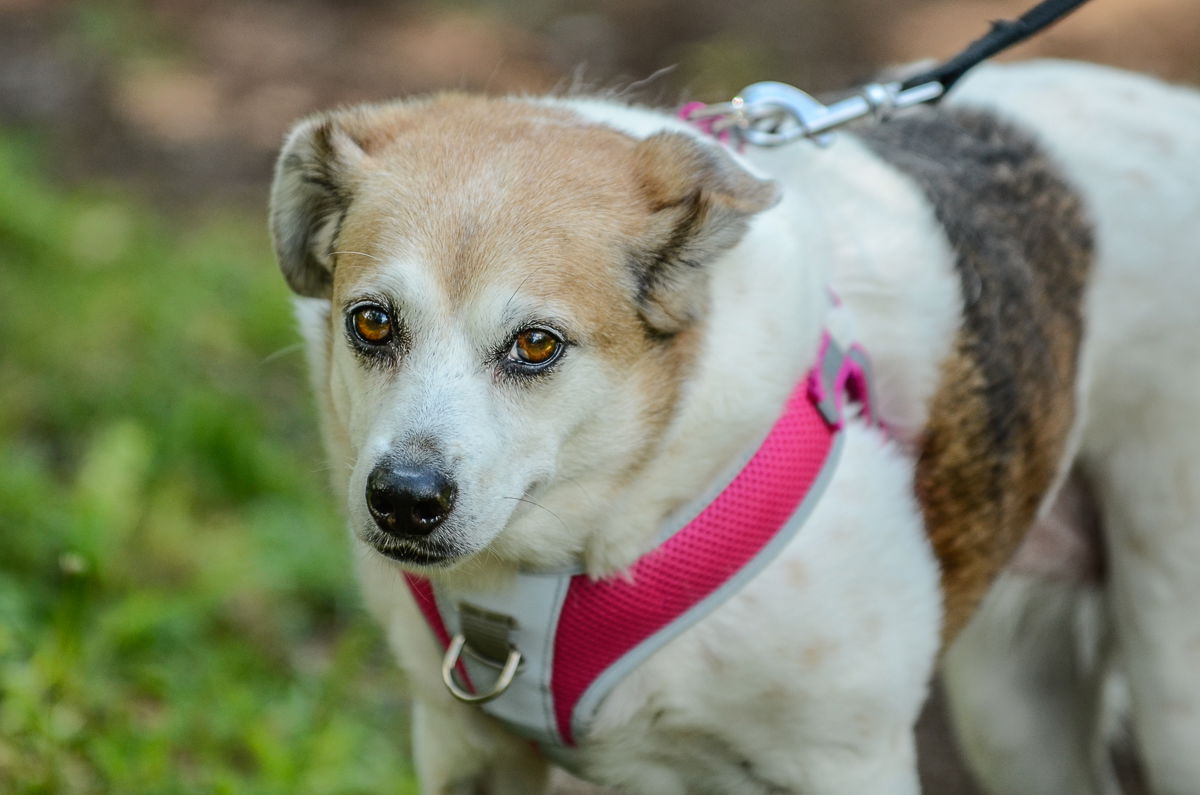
[
  {"x": 700, "y": 201},
  {"x": 314, "y": 178}
]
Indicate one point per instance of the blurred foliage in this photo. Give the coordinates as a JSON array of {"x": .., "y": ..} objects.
[
  {"x": 176, "y": 608},
  {"x": 188, "y": 101}
]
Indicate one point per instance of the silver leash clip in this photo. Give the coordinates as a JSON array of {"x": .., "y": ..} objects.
[
  {"x": 781, "y": 114},
  {"x": 773, "y": 114}
]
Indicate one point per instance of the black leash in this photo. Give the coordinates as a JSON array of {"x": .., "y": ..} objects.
[
  {"x": 1004, "y": 34},
  {"x": 774, "y": 114}
]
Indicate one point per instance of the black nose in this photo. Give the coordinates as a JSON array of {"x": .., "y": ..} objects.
[{"x": 409, "y": 501}]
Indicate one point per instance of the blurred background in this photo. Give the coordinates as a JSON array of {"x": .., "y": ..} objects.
[{"x": 176, "y": 607}]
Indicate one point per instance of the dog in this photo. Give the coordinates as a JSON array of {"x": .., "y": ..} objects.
[{"x": 542, "y": 329}]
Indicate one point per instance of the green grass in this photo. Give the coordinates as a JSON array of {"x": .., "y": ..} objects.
[{"x": 176, "y": 606}]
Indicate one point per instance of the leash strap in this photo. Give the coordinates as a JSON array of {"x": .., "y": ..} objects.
[
  {"x": 1004, "y": 34},
  {"x": 774, "y": 114}
]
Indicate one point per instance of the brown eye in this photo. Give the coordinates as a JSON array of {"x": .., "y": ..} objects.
[
  {"x": 535, "y": 346},
  {"x": 371, "y": 324}
]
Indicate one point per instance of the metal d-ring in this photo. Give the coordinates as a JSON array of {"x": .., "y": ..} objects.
[{"x": 454, "y": 651}]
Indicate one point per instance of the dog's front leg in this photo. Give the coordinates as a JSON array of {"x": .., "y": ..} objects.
[{"x": 459, "y": 752}]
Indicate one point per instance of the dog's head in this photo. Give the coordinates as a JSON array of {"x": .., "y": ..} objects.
[{"x": 509, "y": 301}]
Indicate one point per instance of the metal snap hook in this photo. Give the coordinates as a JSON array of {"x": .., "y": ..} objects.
[{"x": 507, "y": 674}]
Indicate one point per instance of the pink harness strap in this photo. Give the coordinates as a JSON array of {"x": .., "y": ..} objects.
[
  {"x": 580, "y": 636},
  {"x": 422, "y": 591},
  {"x": 601, "y": 620}
]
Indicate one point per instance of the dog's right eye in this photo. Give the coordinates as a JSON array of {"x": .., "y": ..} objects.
[{"x": 371, "y": 324}]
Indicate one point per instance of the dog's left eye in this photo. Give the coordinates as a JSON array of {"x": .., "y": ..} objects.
[
  {"x": 371, "y": 324},
  {"x": 535, "y": 348}
]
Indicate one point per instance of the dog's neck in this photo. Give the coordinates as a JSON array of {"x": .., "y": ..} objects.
[{"x": 760, "y": 338}]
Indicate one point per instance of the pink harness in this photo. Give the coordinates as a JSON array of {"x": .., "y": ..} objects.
[{"x": 554, "y": 644}]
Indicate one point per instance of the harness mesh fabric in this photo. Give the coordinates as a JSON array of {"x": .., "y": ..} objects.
[{"x": 603, "y": 620}]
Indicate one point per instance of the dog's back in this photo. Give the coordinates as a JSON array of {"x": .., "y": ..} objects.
[{"x": 1131, "y": 147}]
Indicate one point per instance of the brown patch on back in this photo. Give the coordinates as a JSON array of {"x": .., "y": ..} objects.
[{"x": 1000, "y": 418}]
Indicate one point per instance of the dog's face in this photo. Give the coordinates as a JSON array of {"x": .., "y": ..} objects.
[{"x": 514, "y": 297}]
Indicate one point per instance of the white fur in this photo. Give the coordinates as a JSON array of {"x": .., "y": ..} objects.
[{"x": 811, "y": 677}]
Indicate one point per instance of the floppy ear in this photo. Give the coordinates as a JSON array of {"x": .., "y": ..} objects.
[
  {"x": 313, "y": 180},
  {"x": 700, "y": 201}
]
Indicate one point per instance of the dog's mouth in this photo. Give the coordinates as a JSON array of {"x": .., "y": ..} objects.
[
  {"x": 442, "y": 549},
  {"x": 425, "y": 554}
]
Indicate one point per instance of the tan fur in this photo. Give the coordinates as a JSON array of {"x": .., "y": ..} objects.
[
  {"x": 436, "y": 166},
  {"x": 607, "y": 227}
]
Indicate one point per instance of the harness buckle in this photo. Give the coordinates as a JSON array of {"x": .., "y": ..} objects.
[{"x": 841, "y": 377}]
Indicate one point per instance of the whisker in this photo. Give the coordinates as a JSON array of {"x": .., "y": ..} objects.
[
  {"x": 487, "y": 84},
  {"x": 359, "y": 253},
  {"x": 539, "y": 505},
  {"x": 575, "y": 482},
  {"x": 508, "y": 303},
  {"x": 284, "y": 351}
]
